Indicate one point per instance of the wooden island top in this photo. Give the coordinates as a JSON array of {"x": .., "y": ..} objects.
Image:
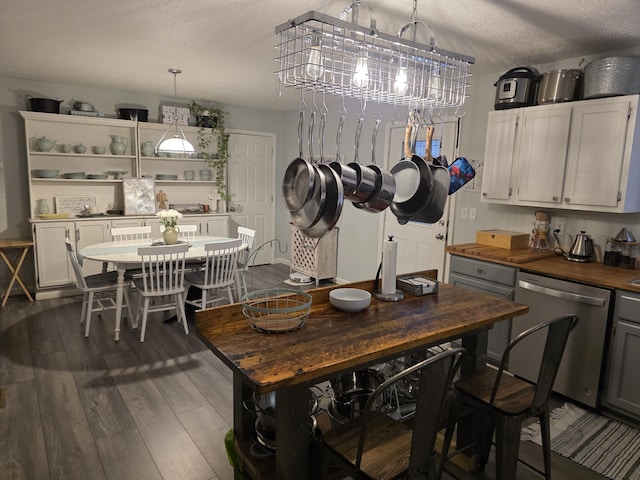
[{"x": 332, "y": 341}]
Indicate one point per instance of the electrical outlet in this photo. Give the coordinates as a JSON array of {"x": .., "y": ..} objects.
[
  {"x": 464, "y": 213},
  {"x": 558, "y": 224},
  {"x": 472, "y": 213}
]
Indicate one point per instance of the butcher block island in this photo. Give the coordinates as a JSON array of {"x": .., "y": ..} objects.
[{"x": 332, "y": 342}]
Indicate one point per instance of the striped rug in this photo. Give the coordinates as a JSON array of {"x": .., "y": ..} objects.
[{"x": 605, "y": 446}]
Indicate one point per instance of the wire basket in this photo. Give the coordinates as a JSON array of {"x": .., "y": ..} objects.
[{"x": 276, "y": 309}]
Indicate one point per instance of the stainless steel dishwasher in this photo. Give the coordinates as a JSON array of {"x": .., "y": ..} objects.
[{"x": 579, "y": 374}]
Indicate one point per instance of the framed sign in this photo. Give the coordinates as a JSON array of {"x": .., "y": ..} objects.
[
  {"x": 139, "y": 196},
  {"x": 74, "y": 204}
]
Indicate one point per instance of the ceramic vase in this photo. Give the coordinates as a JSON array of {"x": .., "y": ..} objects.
[
  {"x": 221, "y": 206},
  {"x": 42, "y": 207},
  {"x": 118, "y": 145},
  {"x": 170, "y": 235}
]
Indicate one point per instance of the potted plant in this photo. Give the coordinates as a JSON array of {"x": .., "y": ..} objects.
[{"x": 211, "y": 125}]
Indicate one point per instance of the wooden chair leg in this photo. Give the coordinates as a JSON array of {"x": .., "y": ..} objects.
[
  {"x": 545, "y": 430},
  {"x": 507, "y": 447},
  {"x": 145, "y": 314},
  {"x": 85, "y": 299}
]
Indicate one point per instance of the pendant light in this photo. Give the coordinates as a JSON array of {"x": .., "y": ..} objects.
[{"x": 177, "y": 142}]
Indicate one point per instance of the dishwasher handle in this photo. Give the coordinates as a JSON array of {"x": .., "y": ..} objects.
[{"x": 552, "y": 292}]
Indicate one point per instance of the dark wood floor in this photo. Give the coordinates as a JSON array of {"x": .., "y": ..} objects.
[{"x": 91, "y": 408}]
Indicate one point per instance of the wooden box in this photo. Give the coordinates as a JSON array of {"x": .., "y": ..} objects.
[{"x": 503, "y": 239}]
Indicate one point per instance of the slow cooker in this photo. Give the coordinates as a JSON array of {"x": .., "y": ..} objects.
[{"x": 516, "y": 88}]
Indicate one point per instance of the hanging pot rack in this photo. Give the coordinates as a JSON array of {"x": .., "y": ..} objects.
[{"x": 324, "y": 54}]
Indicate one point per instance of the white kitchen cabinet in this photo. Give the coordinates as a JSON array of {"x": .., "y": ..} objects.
[
  {"x": 603, "y": 163},
  {"x": 214, "y": 225},
  {"x": 53, "y": 268},
  {"x": 497, "y": 181},
  {"x": 541, "y": 153},
  {"x": 581, "y": 155}
]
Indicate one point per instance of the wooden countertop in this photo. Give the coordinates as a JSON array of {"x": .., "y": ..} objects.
[
  {"x": 592, "y": 273},
  {"x": 331, "y": 342}
]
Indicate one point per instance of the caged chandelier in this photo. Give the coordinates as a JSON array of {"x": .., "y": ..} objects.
[
  {"x": 331, "y": 55},
  {"x": 177, "y": 142}
]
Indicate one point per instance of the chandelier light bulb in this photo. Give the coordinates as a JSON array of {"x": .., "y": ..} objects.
[
  {"x": 314, "y": 68},
  {"x": 361, "y": 74},
  {"x": 400, "y": 83}
]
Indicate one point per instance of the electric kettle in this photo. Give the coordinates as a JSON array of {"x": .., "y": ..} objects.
[{"x": 582, "y": 249}]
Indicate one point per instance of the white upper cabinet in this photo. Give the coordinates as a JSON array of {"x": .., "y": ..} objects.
[
  {"x": 499, "y": 154},
  {"x": 600, "y": 156},
  {"x": 541, "y": 154},
  {"x": 581, "y": 155}
]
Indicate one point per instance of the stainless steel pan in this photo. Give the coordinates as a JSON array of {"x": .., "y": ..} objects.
[
  {"x": 299, "y": 179},
  {"x": 348, "y": 175},
  {"x": 332, "y": 205},
  {"x": 385, "y": 183},
  {"x": 366, "y": 186},
  {"x": 414, "y": 180}
]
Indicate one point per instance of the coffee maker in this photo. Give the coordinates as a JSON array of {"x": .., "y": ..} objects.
[{"x": 540, "y": 231}]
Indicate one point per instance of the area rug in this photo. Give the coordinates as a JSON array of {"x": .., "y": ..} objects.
[{"x": 598, "y": 443}]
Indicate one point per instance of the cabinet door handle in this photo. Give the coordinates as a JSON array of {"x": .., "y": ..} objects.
[{"x": 552, "y": 292}]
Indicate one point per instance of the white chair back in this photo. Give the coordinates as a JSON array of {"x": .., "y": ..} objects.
[
  {"x": 163, "y": 269},
  {"x": 77, "y": 269},
  {"x": 121, "y": 234},
  {"x": 247, "y": 236},
  {"x": 221, "y": 264}
]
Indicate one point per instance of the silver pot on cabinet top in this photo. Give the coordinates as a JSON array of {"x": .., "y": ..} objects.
[{"x": 560, "y": 86}]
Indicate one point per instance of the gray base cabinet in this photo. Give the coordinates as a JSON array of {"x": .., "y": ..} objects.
[
  {"x": 497, "y": 280},
  {"x": 623, "y": 385}
]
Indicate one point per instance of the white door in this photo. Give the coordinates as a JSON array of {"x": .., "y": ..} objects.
[
  {"x": 421, "y": 246},
  {"x": 251, "y": 182}
]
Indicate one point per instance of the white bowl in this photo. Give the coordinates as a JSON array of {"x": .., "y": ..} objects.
[{"x": 349, "y": 299}]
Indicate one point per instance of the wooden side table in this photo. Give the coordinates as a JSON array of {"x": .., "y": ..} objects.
[{"x": 10, "y": 244}]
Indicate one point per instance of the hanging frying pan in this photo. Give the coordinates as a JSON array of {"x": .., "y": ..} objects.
[
  {"x": 366, "y": 186},
  {"x": 299, "y": 178},
  {"x": 332, "y": 206},
  {"x": 385, "y": 183},
  {"x": 347, "y": 175},
  {"x": 414, "y": 180}
]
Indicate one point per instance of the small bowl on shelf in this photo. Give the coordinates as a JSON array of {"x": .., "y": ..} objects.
[
  {"x": 350, "y": 299},
  {"x": 74, "y": 175},
  {"x": 98, "y": 150},
  {"x": 44, "y": 173}
]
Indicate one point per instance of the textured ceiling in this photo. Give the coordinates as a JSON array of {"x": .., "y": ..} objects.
[{"x": 226, "y": 47}]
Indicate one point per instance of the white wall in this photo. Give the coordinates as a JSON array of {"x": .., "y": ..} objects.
[{"x": 474, "y": 126}]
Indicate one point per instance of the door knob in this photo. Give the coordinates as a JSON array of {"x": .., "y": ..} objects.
[{"x": 439, "y": 236}]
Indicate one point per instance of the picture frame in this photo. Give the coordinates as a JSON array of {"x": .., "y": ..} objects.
[
  {"x": 139, "y": 196},
  {"x": 74, "y": 205}
]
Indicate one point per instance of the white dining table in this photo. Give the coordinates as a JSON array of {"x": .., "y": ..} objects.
[{"x": 124, "y": 255}]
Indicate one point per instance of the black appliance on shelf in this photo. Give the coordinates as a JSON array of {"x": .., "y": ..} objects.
[{"x": 517, "y": 88}]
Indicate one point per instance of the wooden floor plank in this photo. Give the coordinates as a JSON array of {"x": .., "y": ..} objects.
[
  {"x": 16, "y": 364},
  {"x": 125, "y": 456},
  {"x": 105, "y": 409},
  {"x": 70, "y": 446},
  {"x": 23, "y": 455},
  {"x": 168, "y": 375},
  {"x": 208, "y": 428},
  {"x": 170, "y": 445}
]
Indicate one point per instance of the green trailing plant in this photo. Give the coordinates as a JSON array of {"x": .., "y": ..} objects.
[{"x": 210, "y": 127}]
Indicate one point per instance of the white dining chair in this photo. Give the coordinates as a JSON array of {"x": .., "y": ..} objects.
[
  {"x": 219, "y": 272},
  {"x": 247, "y": 236},
  {"x": 122, "y": 234},
  {"x": 162, "y": 282},
  {"x": 98, "y": 291}
]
